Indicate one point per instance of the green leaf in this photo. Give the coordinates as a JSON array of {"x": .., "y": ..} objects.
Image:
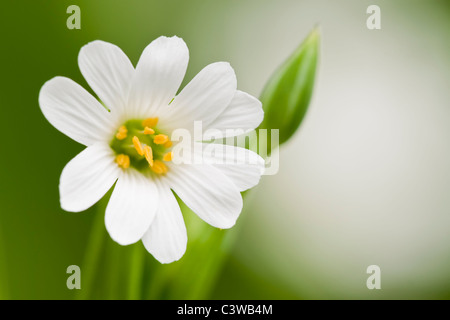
[{"x": 287, "y": 94}]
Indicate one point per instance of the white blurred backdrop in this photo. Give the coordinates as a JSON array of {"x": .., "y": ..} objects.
[{"x": 366, "y": 180}]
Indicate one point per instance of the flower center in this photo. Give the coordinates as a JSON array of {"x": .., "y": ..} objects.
[{"x": 139, "y": 143}]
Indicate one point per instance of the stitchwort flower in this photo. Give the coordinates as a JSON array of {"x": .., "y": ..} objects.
[{"x": 128, "y": 138}]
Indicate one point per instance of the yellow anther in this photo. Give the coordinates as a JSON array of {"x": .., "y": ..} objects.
[
  {"x": 168, "y": 144},
  {"x": 148, "y": 130},
  {"x": 160, "y": 139},
  {"x": 148, "y": 153},
  {"x": 121, "y": 133},
  {"x": 159, "y": 167},
  {"x": 138, "y": 146},
  {"x": 168, "y": 156},
  {"x": 123, "y": 161},
  {"x": 150, "y": 122}
]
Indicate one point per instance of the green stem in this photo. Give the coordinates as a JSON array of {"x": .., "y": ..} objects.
[
  {"x": 113, "y": 270},
  {"x": 136, "y": 272},
  {"x": 93, "y": 253}
]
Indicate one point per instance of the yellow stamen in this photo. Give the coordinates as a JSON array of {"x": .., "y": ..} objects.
[
  {"x": 160, "y": 139},
  {"x": 138, "y": 146},
  {"x": 123, "y": 161},
  {"x": 148, "y": 153},
  {"x": 122, "y": 133},
  {"x": 168, "y": 156},
  {"x": 168, "y": 144},
  {"x": 150, "y": 122},
  {"x": 148, "y": 130},
  {"x": 159, "y": 167}
]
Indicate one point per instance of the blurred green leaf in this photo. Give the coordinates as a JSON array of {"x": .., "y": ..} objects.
[{"x": 288, "y": 92}]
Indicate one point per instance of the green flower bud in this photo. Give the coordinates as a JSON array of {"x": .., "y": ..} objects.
[{"x": 287, "y": 94}]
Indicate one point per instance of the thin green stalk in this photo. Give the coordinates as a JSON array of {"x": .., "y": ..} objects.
[
  {"x": 136, "y": 271},
  {"x": 93, "y": 253},
  {"x": 159, "y": 279},
  {"x": 112, "y": 269}
]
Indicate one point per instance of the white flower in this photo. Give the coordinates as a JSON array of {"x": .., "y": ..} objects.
[{"x": 127, "y": 140}]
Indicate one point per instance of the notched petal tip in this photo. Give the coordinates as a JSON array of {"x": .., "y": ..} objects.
[
  {"x": 166, "y": 258},
  {"x": 255, "y": 106},
  {"x": 166, "y": 239},
  {"x": 48, "y": 85},
  {"x": 70, "y": 206},
  {"x": 224, "y": 66},
  {"x": 227, "y": 225},
  {"x": 91, "y": 48},
  {"x": 167, "y": 43}
]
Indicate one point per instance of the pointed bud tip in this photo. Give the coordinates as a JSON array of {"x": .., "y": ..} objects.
[{"x": 314, "y": 35}]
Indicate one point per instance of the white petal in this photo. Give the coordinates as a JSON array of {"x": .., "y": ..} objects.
[
  {"x": 208, "y": 192},
  {"x": 244, "y": 167},
  {"x": 214, "y": 153},
  {"x": 159, "y": 73},
  {"x": 87, "y": 177},
  {"x": 204, "y": 98},
  {"x": 75, "y": 112},
  {"x": 244, "y": 113},
  {"x": 244, "y": 177},
  {"x": 132, "y": 207},
  {"x": 108, "y": 71},
  {"x": 166, "y": 239}
]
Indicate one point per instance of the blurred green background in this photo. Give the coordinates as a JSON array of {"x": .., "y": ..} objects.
[{"x": 365, "y": 181}]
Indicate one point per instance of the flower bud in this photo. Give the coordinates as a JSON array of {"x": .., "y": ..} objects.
[{"x": 287, "y": 94}]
